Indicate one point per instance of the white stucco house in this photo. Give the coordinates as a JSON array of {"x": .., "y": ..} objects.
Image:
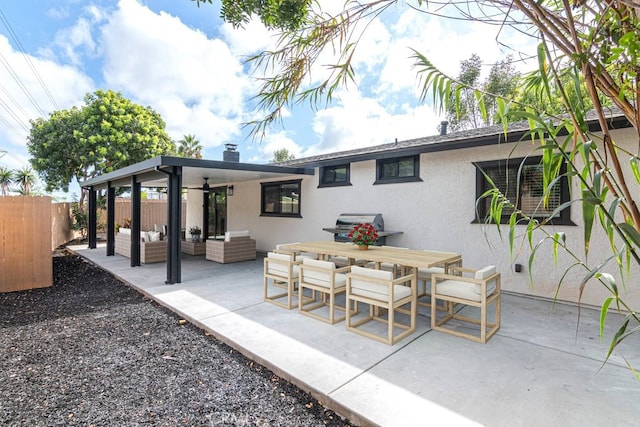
[{"x": 427, "y": 188}]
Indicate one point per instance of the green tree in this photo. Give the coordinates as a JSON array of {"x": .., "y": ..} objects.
[
  {"x": 6, "y": 179},
  {"x": 282, "y": 155},
  {"x": 465, "y": 114},
  {"x": 189, "y": 146},
  {"x": 582, "y": 44},
  {"x": 280, "y": 14},
  {"x": 503, "y": 82},
  {"x": 26, "y": 179},
  {"x": 107, "y": 133}
]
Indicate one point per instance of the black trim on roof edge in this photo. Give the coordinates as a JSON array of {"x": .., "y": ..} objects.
[
  {"x": 490, "y": 135},
  {"x": 150, "y": 166}
]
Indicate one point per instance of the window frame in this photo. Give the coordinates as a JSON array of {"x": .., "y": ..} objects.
[
  {"x": 381, "y": 163},
  {"x": 324, "y": 170},
  {"x": 482, "y": 185},
  {"x": 271, "y": 184}
]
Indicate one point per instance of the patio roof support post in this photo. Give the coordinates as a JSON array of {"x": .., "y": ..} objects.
[
  {"x": 135, "y": 221},
  {"x": 92, "y": 219},
  {"x": 111, "y": 219},
  {"x": 174, "y": 219},
  {"x": 205, "y": 215}
]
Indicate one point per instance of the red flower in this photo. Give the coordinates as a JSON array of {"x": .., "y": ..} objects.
[{"x": 363, "y": 234}]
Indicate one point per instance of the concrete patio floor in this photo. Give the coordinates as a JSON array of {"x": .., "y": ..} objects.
[{"x": 541, "y": 368}]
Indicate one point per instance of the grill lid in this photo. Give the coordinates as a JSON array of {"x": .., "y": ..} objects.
[{"x": 349, "y": 220}]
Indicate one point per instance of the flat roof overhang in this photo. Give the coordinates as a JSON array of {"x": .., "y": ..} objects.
[{"x": 194, "y": 171}]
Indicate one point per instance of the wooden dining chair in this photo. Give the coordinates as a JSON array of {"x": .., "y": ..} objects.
[
  {"x": 324, "y": 282},
  {"x": 480, "y": 291},
  {"x": 387, "y": 266},
  {"x": 380, "y": 290},
  {"x": 424, "y": 280},
  {"x": 281, "y": 272}
]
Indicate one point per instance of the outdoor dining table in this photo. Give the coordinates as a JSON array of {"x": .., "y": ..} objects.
[{"x": 407, "y": 258}]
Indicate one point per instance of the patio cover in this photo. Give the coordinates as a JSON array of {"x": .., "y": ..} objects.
[{"x": 174, "y": 173}]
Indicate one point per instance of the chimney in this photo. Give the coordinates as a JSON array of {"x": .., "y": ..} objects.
[
  {"x": 230, "y": 154},
  {"x": 443, "y": 127}
]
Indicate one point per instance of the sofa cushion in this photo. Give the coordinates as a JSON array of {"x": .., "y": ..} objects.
[
  {"x": 232, "y": 234},
  {"x": 154, "y": 236}
]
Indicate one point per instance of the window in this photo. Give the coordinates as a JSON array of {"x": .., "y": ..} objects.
[
  {"x": 333, "y": 176},
  {"x": 399, "y": 169},
  {"x": 281, "y": 198},
  {"x": 526, "y": 190}
]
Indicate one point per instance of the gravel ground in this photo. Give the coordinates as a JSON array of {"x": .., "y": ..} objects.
[{"x": 92, "y": 351}]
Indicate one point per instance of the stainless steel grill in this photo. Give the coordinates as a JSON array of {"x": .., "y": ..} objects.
[{"x": 346, "y": 221}]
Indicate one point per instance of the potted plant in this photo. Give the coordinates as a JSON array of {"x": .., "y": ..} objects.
[
  {"x": 195, "y": 233},
  {"x": 363, "y": 235}
]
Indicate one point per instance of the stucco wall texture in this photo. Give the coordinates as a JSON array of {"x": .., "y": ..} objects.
[{"x": 437, "y": 213}]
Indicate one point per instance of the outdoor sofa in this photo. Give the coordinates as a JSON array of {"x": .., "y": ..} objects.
[
  {"x": 236, "y": 246},
  {"x": 152, "y": 248}
]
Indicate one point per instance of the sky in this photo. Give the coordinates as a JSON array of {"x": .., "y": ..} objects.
[{"x": 187, "y": 64}]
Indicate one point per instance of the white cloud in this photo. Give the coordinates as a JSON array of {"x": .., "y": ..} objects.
[
  {"x": 191, "y": 80},
  {"x": 360, "y": 122},
  {"x": 70, "y": 39},
  {"x": 24, "y": 97},
  {"x": 200, "y": 86},
  {"x": 253, "y": 38},
  {"x": 264, "y": 150}
]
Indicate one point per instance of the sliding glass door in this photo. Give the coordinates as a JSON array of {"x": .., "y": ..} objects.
[{"x": 217, "y": 213}]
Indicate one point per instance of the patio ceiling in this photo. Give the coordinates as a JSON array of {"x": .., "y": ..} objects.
[{"x": 194, "y": 171}]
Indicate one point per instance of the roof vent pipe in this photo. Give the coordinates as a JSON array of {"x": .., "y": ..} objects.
[{"x": 443, "y": 127}]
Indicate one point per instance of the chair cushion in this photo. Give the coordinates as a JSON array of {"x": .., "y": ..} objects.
[
  {"x": 464, "y": 290},
  {"x": 153, "y": 236},
  {"x": 485, "y": 272},
  {"x": 383, "y": 266},
  {"x": 328, "y": 265},
  {"x": 373, "y": 290},
  {"x": 280, "y": 269},
  {"x": 232, "y": 234},
  {"x": 322, "y": 278},
  {"x": 425, "y": 273}
]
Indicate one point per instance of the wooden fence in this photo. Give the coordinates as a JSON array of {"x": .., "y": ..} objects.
[
  {"x": 61, "y": 231},
  {"x": 151, "y": 212},
  {"x": 32, "y": 227},
  {"x": 25, "y": 243}
]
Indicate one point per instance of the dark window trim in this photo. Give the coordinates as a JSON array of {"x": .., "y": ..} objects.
[
  {"x": 281, "y": 183},
  {"x": 416, "y": 170},
  {"x": 481, "y": 187},
  {"x": 323, "y": 170}
]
